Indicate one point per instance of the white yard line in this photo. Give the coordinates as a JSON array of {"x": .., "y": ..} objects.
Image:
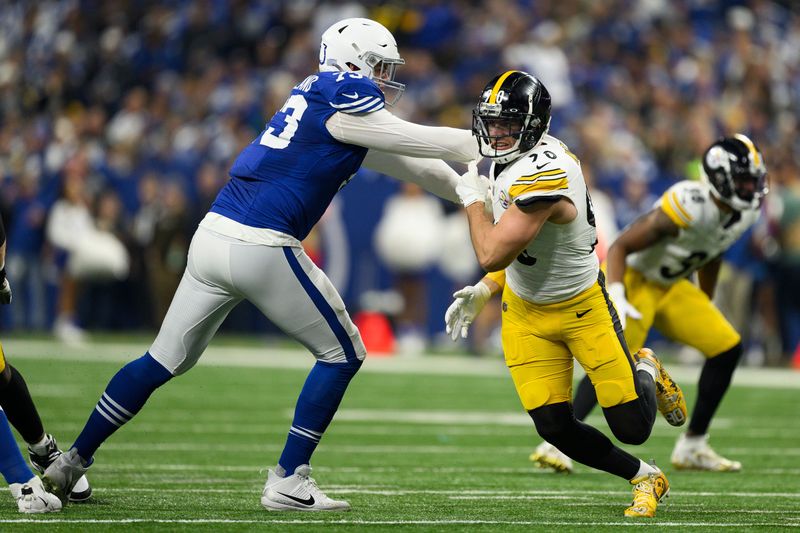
[
  {"x": 271, "y": 357},
  {"x": 302, "y": 522},
  {"x": 378, "y": 448}
]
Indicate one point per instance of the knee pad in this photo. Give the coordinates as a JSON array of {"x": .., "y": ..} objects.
[
  {"x": 533, "y": 395},
  {"x": 609, "y": 393}
]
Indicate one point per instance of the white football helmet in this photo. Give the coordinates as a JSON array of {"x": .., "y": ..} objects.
[{"x": 363, "y": 46}]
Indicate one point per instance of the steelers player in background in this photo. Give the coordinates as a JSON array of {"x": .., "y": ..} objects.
[
  {"x": 17, "y": 407},
  {"x": 649, "y": 264},
  {"x": 540, "y": 244}
]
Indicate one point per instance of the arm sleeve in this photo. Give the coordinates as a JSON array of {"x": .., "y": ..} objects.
[
  {"x": 383, "y": 131},
  {"x": 433, "y": 175}
]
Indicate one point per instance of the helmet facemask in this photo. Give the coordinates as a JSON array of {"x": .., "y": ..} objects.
[
  {"x": 382, "y": 72},
  {"x": 493, "y": 128}
]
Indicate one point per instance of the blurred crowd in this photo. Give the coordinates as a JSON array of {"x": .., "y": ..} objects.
[{"x": 118, "y": 122}]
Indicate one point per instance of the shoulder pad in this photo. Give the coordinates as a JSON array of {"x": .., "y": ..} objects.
[
  {"x": 550, "y": 181},
  {"x": 683, "y": 203},
  {"x": 349, "y": 92}
]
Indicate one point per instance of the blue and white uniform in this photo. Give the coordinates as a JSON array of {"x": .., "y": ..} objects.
[{"x": 280, "y": 186}]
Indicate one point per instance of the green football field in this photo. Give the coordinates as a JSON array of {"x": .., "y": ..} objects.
[{"x": 436, "y": 443}]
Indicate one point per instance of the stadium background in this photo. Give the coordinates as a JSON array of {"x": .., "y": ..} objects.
[{"x": 128, "y": 114}]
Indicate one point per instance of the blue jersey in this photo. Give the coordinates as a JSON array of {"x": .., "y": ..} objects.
[{"x": 286, "y": 178}]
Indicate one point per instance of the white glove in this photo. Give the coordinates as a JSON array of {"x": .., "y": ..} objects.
[
  {"x": 617, "y": 293},
  {"x": 5, "y": 288},
  {"x": 469, "y": 302},
  {"x": 472, "y": 187}
]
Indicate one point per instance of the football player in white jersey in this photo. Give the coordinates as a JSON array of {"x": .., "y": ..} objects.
[
  {"x": 649, "y": 264},
  {"x": 539, "y": 245},
  {"x": 248, "y": 247}
]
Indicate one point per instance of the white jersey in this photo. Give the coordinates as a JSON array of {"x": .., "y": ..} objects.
[
  {"x": 560, "y": 262},
  {"x": 705, "y": 232}
]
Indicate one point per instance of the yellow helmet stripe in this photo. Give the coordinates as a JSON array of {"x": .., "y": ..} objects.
[
  {"x": 750, "y": 146},
  {"x": 496, "y": 88}
]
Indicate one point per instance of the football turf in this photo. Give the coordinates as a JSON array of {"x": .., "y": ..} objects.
[{"x": 435, "y": 444}]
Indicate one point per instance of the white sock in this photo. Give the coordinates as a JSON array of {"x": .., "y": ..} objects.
[
  {"x": 280, "y": 471},
  {"x": 644, "y": 469},
  {"x": 40, "y": 447},
  {"x": 647, "y": 367}
]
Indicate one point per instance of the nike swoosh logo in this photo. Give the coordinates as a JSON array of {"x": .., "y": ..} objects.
[
  {"x": 580, "y": 315},
  {"x": 540, "y": 167},
  {"x": 353, "y": 96},
  {"x": 307, "y": 501}
]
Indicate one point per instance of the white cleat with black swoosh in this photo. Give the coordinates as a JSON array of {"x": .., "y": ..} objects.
[
  {"x": 298, "y": 492},
  {"x": 33, "y": 498}
]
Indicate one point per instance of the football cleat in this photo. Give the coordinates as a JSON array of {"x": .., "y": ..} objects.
[
  {"x": 81, "y": 492},
  {"x": 33, "y": 498},
  {"x": 648, "y": 490},
  {"x": 548, "y": 456},
  {"x": 64, "y": 473},
  {"x": 298, "y": 492},
  {"x": 671, "y": 403},
  {"x": 694, "y": 453}
]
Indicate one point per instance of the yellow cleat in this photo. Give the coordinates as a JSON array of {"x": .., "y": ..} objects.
[
  {"x": 671, "y": 402},
  {"x": 549, "y": 457},
  {"x": 648, "y": 490}
]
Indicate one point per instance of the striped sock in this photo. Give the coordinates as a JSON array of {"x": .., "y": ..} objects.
[
  {"x": 318, "y": 402},
  {"x": 124, "y": 396}
]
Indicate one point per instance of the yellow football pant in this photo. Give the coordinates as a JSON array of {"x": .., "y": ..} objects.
[
  {"x": 540, "y": 342},
  {"x": 681, "y": 312}
]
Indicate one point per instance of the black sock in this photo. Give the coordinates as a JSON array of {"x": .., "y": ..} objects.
[
  {"x": 714, "y": 382},
  {"x": 18, "y": 405}
]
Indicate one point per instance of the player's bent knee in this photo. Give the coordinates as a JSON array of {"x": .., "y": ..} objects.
[
  {"x": 553, "y": 422},
  {"x": 533, "y": 395},
  {"x": 609, "y": 393},
  {"x": 627, "y": 423}
]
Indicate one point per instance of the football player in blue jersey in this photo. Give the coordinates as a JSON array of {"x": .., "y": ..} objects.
[{"x": 248, "y": 248}]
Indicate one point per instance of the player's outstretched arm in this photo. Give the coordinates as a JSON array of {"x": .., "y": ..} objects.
[
  {"x": 383, "y": 131},
  {"x": 433, "y": 175}
]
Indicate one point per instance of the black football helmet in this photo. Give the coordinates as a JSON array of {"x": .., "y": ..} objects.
[
  {"x": 734, "y": 167},
  {"x": 516, "y": 105}
]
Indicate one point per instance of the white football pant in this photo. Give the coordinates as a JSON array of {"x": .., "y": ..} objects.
[{"x": 282, "y": 282}]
